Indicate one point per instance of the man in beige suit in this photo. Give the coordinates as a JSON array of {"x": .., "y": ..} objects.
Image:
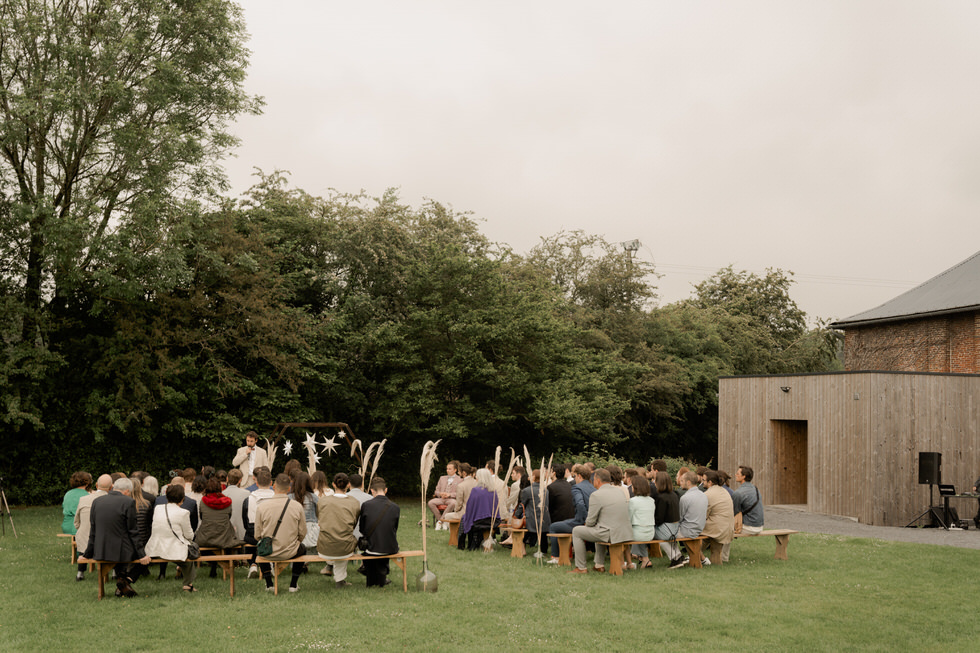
[
  {"x": 463, "y": 489},
  {"x": 249, "y": 458},
  {"x": 608, "y": 521},
  {"x": 445, "y": 494},
  {"x": 719, "y": 524},
  {"x": 287, "y": 535},
  {"x": 82, "y": 523}
]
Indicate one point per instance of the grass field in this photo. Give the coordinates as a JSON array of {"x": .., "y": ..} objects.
[{"x": 833, "y": 594}]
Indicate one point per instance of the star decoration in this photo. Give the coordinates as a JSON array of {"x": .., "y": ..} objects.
[
  {"x": 310, "y": 441},
  {"x": 315, "y": 458},
  {"x": 330, "y": 445},
  {"x": 287, "y": 448}
]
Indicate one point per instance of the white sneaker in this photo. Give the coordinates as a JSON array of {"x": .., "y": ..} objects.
[
  {"x": 293, "y": 589},
  {"x": 253, "y": 572},
  {"x": 553, "y": 561},
  {"x": 705, "y": 562}
]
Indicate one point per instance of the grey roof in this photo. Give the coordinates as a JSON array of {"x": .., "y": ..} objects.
[{"x": 953, "y": 291}]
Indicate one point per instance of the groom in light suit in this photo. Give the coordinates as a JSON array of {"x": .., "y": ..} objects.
[{"x": 249, "y": 458}]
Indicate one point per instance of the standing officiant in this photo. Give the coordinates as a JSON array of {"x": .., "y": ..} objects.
[{"x": 249, "y": 458}]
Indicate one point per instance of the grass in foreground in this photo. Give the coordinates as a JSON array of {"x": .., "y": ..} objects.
[{"x": 834, "y": 593}]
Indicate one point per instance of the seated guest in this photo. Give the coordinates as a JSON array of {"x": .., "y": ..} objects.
[
  {"x": 693, "y": 507},
  {"x": 499, "y": 486},
  {"x": 519, "y": 481},
  {"x": 608, "y": 521},
  {"x": 263, "y": 490},
  {"x": 481, "y": 506},
  {"x": 223, "y": 477},
  {"x": 561, "y": 505},
  {"x": 216, "y": 529},
  {"x": 152, "y": 486},
  {"x": 720, "y": 517},
  {"x": 115, "y": 537},
  {"x": 746, "y": 503},
  {"x": 643, "y": 517},
  {"x": 463, "y": 488},
  {"x": 194, "y": 488},
  {"x": 445, "y": 494},
  {"x": 616, "y": 474},
  {"x": 282, "y": 519},
  {"x": 237, "y": 495},
  {"x": 538, "y": 517},
  {"x": 143, "y": 510},
  {"x": 80, "y": 482},
  {"x": 668, "y": 516},
  {"x": 302, "y": 493},
  {"x": 81, "y": 520},
  {"x": 320, "y": 484},
  {"x": 379, "y": 523},
  {"x": 581, "y": 492},
  {"x": 678, "y": 490},
  {"x": 187, "y": 504},
  {"x": 356, "y": 490},
  {"x": 171, "y": 532},
  {"x": 337, "y": 515}
]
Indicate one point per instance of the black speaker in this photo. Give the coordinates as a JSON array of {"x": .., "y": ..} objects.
[{"x": 930, "y": 467}]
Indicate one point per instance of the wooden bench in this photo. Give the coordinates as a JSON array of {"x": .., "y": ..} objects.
[
  {"x": 453, "y": 530},
  {"x": 617, "y": 552},
  {"x": 225, "y": 560},
  {"x": 517, "y": 549},
  {"x": 73, "y": 555},
  {"x": 564, "y": 548},
  {"x": 782, "y": 540},
  {"x": 399, "y": 558}
]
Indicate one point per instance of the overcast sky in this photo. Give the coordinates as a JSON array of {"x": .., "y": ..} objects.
[{"x": 838, "y": 140}]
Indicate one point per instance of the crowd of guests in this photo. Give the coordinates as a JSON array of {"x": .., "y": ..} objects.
[
  {"x": 131, "y": 520},
  {"x": 601, "y": 506}
]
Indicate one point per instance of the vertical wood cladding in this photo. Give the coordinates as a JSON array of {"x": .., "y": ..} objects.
[
  {"x": 848, "y": 444},
  {"x": 945, "y": 344}
]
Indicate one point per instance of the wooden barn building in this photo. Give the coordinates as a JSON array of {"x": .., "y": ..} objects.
[{"x": 848, "y": 443}]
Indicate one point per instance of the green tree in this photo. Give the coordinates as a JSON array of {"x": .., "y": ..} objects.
[{"x": 112, "y": 113}]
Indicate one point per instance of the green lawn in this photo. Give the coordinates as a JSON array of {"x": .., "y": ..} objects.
[{"x": 834, "y": 593}]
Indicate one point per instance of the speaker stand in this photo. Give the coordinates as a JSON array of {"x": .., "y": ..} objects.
[{"x": 929, "y": 511}]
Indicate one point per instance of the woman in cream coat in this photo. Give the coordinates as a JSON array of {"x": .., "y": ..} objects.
[{"x": 169, "y": 538}]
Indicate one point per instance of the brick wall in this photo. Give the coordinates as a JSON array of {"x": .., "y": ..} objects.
[{"x": 938, "y": 344}]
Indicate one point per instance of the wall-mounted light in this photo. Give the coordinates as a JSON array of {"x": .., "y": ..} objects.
[{"x": 784, "y": 388}]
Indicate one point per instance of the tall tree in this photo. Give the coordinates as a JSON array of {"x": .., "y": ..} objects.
[{"x": 112, "y": 113}]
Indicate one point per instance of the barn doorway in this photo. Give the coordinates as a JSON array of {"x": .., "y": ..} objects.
[{"x": 790, "y": 449}]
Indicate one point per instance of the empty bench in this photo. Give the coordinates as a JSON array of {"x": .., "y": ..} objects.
[{"x": 782, "y": 540}]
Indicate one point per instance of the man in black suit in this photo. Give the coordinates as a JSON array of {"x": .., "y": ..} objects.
[
  {"x": 379, "y": 524},
  {"x": 114, "y": 535},
  {"x": 561, "y": 505}
]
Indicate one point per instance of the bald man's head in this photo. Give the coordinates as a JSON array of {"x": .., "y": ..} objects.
[{"x": 104, "y": 483}]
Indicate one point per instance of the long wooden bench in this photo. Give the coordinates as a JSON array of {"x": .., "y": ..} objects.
[
  {"x": 399, "y": 558},
  {"x": 782, "y": 540},
  {"x": 617, "y": 552},
  {"x": 227, "y": 562}
]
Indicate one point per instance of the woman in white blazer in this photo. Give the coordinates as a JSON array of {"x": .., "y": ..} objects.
[{"x": 170, "y": 533}]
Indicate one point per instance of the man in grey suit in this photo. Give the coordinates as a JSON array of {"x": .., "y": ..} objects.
[{"x": 608, "y": 521}]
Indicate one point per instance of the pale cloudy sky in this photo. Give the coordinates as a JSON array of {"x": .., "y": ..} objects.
[{"x": 839, "y": 140}]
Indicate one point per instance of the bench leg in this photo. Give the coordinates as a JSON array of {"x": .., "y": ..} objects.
[
  {"x": 782, "y": 541},
  {"x": 403, "y": 566},
  {"x": 717, "y": 550},
  {"x": 453, "y": 533},
  {"x": 654, "y": 551},
  {"x": 517, "y": 546},
  {"x": 694, "y": 553},
  {"x": 104, "y": 569},
  {"x": 616, "y": 556},
  {"x": 564, "y": 552}
]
